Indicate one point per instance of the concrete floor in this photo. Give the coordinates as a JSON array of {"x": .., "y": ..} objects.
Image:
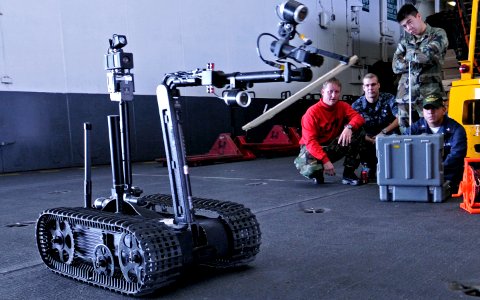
[{"x": 358, "y": 248}]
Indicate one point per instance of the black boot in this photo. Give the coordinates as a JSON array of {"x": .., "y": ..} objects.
[
  {"x": 349, "y": 176},
  {"x": 318, "y": 178}
]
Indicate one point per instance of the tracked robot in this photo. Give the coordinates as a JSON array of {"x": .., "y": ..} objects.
[{"x": 133, "y": 243}]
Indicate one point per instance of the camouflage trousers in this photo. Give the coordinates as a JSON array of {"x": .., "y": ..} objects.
[
  {"x": 309, "y": 166},
  {"x": 403, "y": 115}
]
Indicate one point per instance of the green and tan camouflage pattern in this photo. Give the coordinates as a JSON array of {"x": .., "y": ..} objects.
[
  {"x": 426, "y": 56},
  {"x": 309, "y": 166}
]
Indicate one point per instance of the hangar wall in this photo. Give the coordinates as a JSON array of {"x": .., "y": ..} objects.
[
  {"x": 52, "y": 76},
  {"x": 58, "y": 45}
]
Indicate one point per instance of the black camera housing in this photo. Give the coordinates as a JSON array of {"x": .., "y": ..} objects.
[{"x": 118, "y": 60}]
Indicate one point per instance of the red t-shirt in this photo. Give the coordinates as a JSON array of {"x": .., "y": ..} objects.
[{"x": 321, "y": 124}]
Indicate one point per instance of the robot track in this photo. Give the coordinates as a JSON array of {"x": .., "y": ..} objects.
[
  {"x": 136, "y": 255},
  {"x": 241, "y": 225},
  {"x": 127, "y": 254}
]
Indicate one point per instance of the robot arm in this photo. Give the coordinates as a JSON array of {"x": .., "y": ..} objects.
[{"x": 291, "y": 12}]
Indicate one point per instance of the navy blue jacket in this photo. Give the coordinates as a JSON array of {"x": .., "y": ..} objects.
[{"x": 454, "y": 143}]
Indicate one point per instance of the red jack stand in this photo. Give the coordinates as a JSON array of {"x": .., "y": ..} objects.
[
  {"x": 224, "y": 149},
  {"x": 277, "y": 141}
]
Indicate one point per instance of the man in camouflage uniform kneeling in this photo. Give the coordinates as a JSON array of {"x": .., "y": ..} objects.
[{"x": 331, "y": 130}]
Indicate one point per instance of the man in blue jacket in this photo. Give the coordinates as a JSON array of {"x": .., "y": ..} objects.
[
  {"x": 380, "y": 111},
  {"x": 435, "y": 120}
]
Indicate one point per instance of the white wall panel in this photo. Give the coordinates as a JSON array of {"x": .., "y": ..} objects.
[
  {"x": 32, "y": 41},
  {"x": 86, "y": 27},
  {"x": 59, "y": 45}
]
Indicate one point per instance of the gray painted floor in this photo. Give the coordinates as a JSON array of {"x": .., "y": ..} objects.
[{"x": 358, "y": 248}]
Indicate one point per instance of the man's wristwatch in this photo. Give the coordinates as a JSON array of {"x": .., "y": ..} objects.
[
  {"x": 384, "y": 131},
  {"x": 348, "y": 126}
]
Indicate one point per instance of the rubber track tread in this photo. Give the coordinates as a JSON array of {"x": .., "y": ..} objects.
[
  {"x": 161, "y": 248},
  {"x": 242, "y": 223}
]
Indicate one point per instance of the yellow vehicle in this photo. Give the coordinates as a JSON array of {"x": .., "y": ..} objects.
[{"x": 464, "y": 99}]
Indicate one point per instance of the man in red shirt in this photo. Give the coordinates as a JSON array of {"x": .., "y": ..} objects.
[{"x": 331, "y": 130}]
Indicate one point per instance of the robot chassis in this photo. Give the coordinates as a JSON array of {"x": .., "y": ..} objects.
[{"x": 135, "y": 244}]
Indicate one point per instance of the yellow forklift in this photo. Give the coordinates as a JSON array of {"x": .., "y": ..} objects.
[
  {"x": 464, "y": 107},
  {"x": 464, "y": 99}
]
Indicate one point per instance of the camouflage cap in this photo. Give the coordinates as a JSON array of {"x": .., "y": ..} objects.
[{"x": 433, "y": 100}]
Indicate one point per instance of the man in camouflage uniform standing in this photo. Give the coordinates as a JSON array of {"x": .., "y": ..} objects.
[
  {"x": 331, "y": 130},
  {"x": 380, "y": 113},
  {"x": 423, "y": 48}
]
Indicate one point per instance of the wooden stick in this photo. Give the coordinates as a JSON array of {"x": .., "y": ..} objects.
[{"x": 297, "y": 96}]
